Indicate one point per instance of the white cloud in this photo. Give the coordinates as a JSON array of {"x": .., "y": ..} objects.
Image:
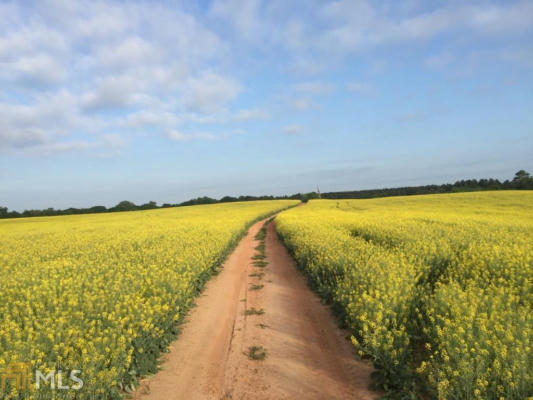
[
  {"x": 179, "y": 136},
  {"x": 129, "y": 52},
  {"x": 243, "y": 16},
  {"x": 500, "y": 19},
  {"x": 440, "y": 60},
  {"x": 61, "y": 147},
  {"x": 21, "y": 138},
  {"x": 209, "y": 92},
  {"x": 49, "y": 110},
  {"x": 113, "y": 140},
  {"x": 317, "y": 34},
  {"x": 359, "y": 87},
  {"x": 307, "y": 65},
  {"x": 142, "y": 119},
  {"x": 267, "y": 24},
  {"x": 46, "y": 124},
  {"x": 304, "y": 93},
  {"x": 291, "y": 130},
  {"x": 30, "y": 39},
  {"x": 302, "y": 104},
  {"x": 186, "y": 137},
  {"x": 250, "y": 115},
  {"x": 112, "y": 92},
  {"x": 360, "y": 12},
  {"x": 359, "y": 25},
  {"x": 36, "y": 140},
  {"x": 315, "y": 87},
  {"x": 295, "y": 35},
  {"x": 98, "y": 24},
  {"x": 38, "y": 69},
  {"x": 518, "y": 56},
  {"x": 79, "y": 68}
]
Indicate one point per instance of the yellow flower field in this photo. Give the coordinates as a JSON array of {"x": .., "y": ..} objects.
[
  {"x": 436, "y": 289},
  {"x": 103, "y": 293}
]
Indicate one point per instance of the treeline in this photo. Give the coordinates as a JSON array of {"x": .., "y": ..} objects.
[
  {"x": 129, "y": 206},
  {"x": 521, "y": 180},
  {"x": 229, "y": 199}
]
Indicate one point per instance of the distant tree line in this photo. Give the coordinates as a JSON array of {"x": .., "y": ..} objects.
[
  {"x": 521, "y": 181},
  {"x": 129, "y": 206}
]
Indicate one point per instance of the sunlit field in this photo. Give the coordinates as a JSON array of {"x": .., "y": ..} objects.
[
  {"x": 102, "y": 294},
  {"x": 436, "y": 290}
]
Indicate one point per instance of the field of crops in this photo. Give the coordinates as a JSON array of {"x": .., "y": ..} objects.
[
  {"x": 436, "y": 290},
  {"x": 102, "y": 293}
]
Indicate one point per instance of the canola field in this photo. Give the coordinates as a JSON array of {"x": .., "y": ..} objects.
[
  {"x": 102, "y": 294},
  {"x": 436, "y": 289}
]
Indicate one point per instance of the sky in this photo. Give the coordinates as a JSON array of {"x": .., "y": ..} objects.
[{"x": 105, "y": 101}]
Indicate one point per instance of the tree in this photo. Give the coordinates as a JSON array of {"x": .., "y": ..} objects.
[
  {"x": 199, "y": 200},
  {"x": 125, "y": 206},
  {"x": 521, "y": 176},
  {"x": 227, "y": 199},
  {"x": 97, "y": 209},
  {"x": 3, "y": 212},
  {"x": 309, "y": 196},
  {"x": 522, "y": 180},
  {"x": 148, "y": 206}
]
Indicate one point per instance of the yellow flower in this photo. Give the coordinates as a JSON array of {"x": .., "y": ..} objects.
[{"x": 81, "y": 291}]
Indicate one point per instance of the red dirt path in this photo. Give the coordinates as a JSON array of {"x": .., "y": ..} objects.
[{"x": 308, "y": 356}]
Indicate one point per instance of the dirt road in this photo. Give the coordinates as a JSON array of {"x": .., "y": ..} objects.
[{"x": 307, "y": 356}]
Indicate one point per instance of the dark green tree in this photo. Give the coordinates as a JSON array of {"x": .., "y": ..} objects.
[
  {"x": 148, "y": 206},
  {"x": 522, "y": 180},
  {"x": 97, "y": 209},
  {"x": 521, "y": 176},
  {"x": 125, "y": 206}
]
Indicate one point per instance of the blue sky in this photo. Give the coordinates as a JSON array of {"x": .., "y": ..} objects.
[{"x": 104, "y": 101}]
